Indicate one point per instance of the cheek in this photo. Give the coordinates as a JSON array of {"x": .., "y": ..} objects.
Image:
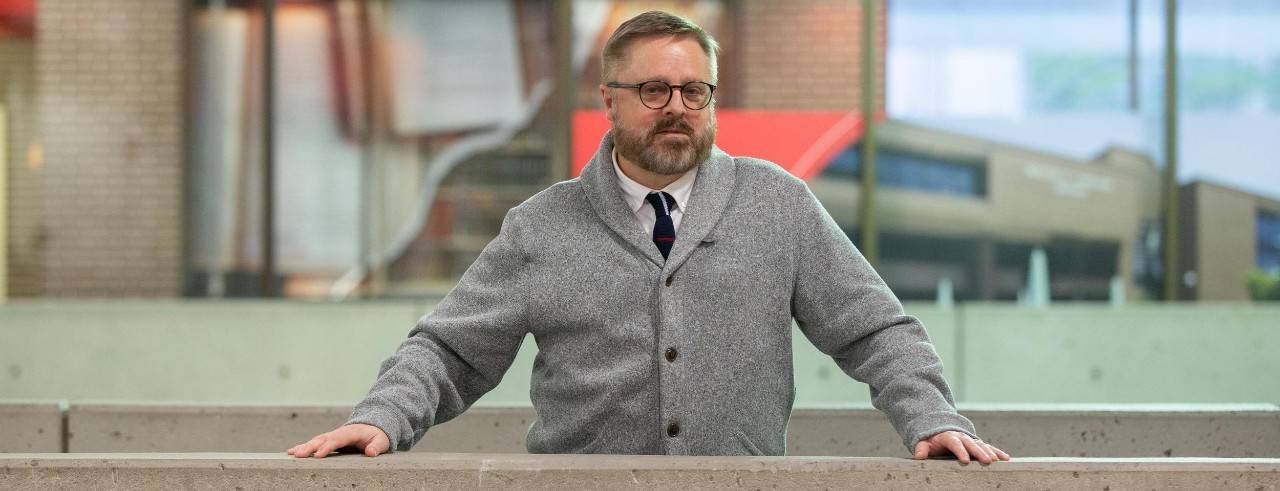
[
  {"x": 702, "y": 122},
  {"x": 634, "y": 121}
]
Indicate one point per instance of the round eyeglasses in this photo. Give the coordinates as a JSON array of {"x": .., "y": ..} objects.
[{"x": 656, "y": 94}]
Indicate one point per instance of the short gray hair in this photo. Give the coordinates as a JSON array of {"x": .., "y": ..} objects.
[{"x": 653, "y": 24}]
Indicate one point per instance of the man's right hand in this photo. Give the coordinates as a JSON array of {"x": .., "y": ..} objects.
[{"x": 367, "y": 438}]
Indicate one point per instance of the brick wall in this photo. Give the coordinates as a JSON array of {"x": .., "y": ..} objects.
[
  {"x": 803, "y": 54},
  {"x": 17, "y": 93},
  {"x": 110, "y": 120}
]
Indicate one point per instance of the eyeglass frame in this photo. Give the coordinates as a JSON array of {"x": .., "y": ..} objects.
[{"x": 671, "y": 90}]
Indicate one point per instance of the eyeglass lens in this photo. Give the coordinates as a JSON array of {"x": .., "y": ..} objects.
[{"x": 656, "y": 94}]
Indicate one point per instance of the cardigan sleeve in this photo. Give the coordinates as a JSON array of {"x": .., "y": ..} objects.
[
  {"x": 845, "y": 309},
  {"x": 456, "y": 353}
]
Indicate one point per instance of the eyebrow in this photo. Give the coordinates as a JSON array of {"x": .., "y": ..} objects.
[{"x": 668, "y": 82}]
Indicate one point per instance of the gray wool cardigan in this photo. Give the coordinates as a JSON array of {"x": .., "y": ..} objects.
[{"x": 687, "y": 356}]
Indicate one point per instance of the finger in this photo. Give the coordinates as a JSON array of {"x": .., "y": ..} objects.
[
  {"x": 300, "y": 448},
  {"x": 330, "y": 444},
  {"x": 957, "y": 447},
  {"x": 325, "y": 449},
  {"x": 978, "y": 449},
  {"x": 990, "y": 451},
  {"x": 305, "y": 449},
  {"x": 999, "y": 453}
]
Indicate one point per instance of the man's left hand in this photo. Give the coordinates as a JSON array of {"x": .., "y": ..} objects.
[{"x": 961, "y": 445}]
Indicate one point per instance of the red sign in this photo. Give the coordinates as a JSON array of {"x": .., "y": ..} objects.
[
  {"x": 803, "y": 143},
  {"x": 17, "y": 18}
]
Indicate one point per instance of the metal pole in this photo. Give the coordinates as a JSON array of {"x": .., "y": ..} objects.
[
  {"x": 1133, "y": 56},
  {"x": 567, "y": 93},
  {"x": 266, "y": 280},
  {"x": 1172, "y": 271},
  {"x": 191, "y": 35},
  {"x": 869, "y": 235},
  {"x": 370, "y": 177}
]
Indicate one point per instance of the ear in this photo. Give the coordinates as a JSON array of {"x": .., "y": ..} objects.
[{"x": 604, "y": 94}]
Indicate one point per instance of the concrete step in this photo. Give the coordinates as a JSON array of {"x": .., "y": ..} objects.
[
  {"x": 34, "y": 427},
  {"x": 1040, "y": 430},
  {"x": 417, "y": 470},
  {"x": 1061, "y": 430}
]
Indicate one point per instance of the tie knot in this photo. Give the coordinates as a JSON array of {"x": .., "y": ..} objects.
[{"x": 661, "y": 202}]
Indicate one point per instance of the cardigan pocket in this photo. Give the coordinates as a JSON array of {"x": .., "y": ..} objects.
[
  {"x": 593, "y": 446},
  {"x": 746, "y": 443}
]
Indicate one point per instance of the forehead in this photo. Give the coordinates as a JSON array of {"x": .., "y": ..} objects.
[{"x": 669, "y": 58}]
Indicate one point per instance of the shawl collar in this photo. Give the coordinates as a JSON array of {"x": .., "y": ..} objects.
[{"x": 707, "y": 202}]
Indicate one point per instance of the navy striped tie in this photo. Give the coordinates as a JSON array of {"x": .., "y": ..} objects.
[{"x": 664, "y": 230}]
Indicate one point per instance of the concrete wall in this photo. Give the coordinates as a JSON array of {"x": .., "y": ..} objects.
[
  {"x": 323, "y": 353},
  {"x": 1227, "y": 431},
  {"x": 243, "y": 351},
  {"x": 1183, "y": 353}
]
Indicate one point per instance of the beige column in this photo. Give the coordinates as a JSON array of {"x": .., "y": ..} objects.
[
  {"x": 110, "y": 115},
  {"x": 4, "y": 205}
]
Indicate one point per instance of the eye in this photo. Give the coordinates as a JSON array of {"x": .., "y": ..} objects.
[
  {"x": 653, "y": 89},
  {"x": 694, "y": 90}
]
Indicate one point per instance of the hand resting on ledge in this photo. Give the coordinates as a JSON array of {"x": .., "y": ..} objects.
[{"x": 368, "y": 439}]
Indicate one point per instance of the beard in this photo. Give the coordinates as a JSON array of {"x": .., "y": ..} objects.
[{"x": 665, "y": 156}]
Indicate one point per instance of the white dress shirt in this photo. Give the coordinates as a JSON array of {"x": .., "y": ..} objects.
[{"x": 634, "y": 193}]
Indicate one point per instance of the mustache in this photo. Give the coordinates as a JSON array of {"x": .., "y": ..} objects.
[{"x": 673, "y": 125}]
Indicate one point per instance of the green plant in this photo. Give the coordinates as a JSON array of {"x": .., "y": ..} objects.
[{"x": 1263, "y": 286}]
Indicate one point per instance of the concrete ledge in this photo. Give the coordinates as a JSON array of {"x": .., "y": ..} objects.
[
  {"x": 1235, "y": 431},
  {"x": 536, "y": 472},
  {"x": 31, "y": 427}
]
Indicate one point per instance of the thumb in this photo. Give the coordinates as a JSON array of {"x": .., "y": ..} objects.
[
  {"x": 922, "y": 450},
  {"x": 380, "y": 445}
]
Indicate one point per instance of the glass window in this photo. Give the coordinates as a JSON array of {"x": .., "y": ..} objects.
[
  {"x": 1269, "y": 243},
  {"x": 405, "y": 129},
  {"x": 911, "y": 171}
]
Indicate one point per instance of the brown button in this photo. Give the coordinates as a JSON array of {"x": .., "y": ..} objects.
[
  {"x": 673, "y": 430},
  {"x": 668, "y": 281},
  {"x": 672, "y": 354}
]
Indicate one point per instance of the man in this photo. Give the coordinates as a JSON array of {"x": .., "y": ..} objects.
[{"x": 660, "y": 287}]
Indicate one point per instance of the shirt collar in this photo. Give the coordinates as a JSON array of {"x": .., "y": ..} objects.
[{"x": 634, "y": 193}]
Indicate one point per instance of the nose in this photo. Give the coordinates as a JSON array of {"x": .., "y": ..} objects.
[{"x": 675, "y": 105}]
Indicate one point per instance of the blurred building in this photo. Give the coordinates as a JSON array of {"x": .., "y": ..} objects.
[
  {"x": 134, "y": 128},
  {"x": 971, "y": 211},
  {"x": 1226, "y": 233}
]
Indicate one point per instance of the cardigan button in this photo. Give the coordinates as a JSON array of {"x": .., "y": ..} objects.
[
  {"x": 669, "y": 281},
  {"x": 672, "y": 354},
  {"x": 673, "y": 430}
]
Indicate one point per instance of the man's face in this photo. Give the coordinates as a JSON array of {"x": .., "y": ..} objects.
[{"x": 673, "y": 139}]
